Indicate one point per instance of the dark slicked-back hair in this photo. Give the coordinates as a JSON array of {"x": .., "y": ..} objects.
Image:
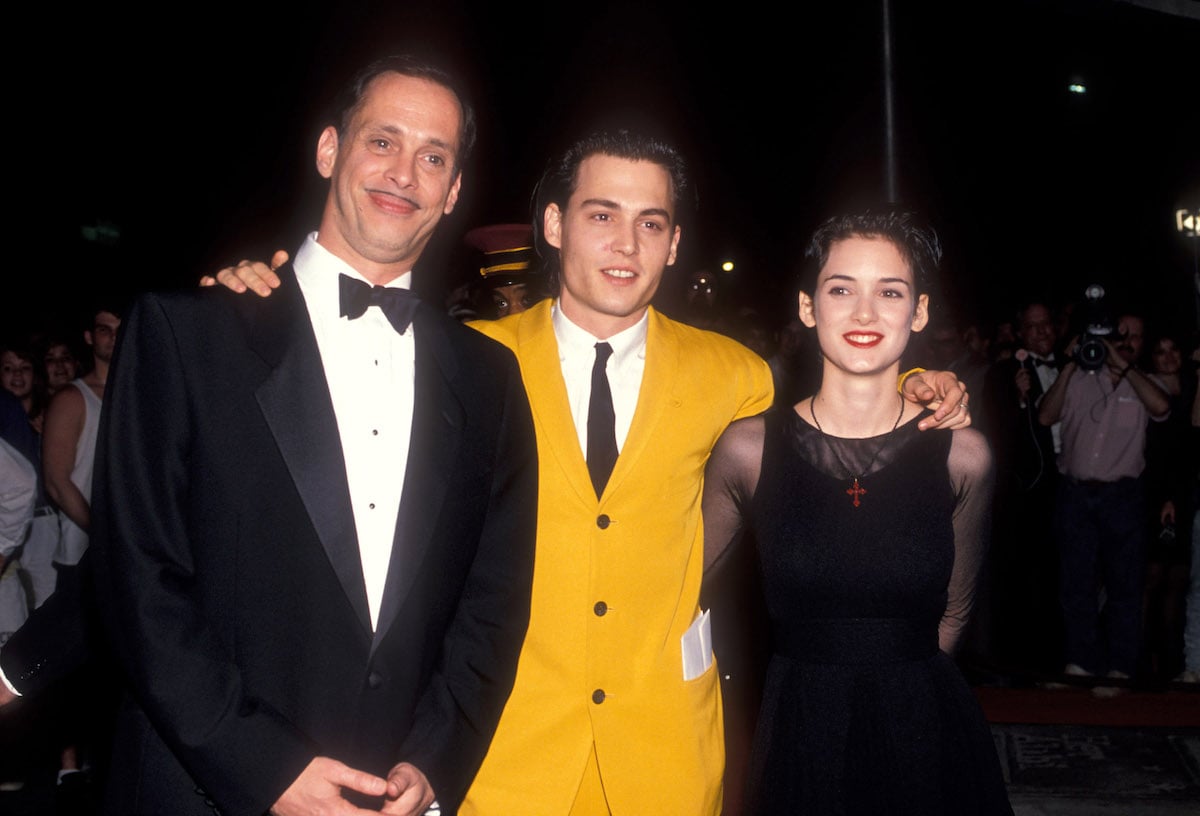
[
  {"x": 350, "y": 98},
  {"x": 916, "y": 240},
  {"x": 115, "y": 305},
  {"x": 562, "y": 177}
]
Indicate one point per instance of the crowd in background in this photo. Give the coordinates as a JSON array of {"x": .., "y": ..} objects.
[{"x": 1018, "y": 633}]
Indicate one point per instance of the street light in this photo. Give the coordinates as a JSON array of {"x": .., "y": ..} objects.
[{"x": 1188, "y": 223}]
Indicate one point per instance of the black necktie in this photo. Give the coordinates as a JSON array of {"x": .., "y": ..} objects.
[
  {"x": 398, "y": 305},
  {"x": 601, "y": 423}
]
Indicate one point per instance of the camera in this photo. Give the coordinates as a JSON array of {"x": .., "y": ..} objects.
[{"x": 1098, "y": 326}]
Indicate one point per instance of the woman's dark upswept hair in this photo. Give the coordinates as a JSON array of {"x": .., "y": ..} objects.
[
  {"x": 562, "y": 177},
  {"x": 915, "y": 239}
]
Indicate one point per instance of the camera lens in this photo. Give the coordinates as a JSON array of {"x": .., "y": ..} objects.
[{"x": 1091, "y": 353}]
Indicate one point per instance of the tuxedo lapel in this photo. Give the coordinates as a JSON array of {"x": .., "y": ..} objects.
[
  {"x": 438, "y": 418},
  {"x": 1035, "y": 386},
  {"x": 294, "y": 399},
  {"x": 541, "y": 370},
  {"x": 656, "y": 393}
]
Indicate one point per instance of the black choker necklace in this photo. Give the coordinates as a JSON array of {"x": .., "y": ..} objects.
[{"x": 856, "y": 489}]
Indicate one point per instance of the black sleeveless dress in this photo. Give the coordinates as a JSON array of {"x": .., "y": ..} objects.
[{"x": 862, "y": 714}]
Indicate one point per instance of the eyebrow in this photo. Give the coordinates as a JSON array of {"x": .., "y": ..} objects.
[
  {"x": 612, "y": 205},
  {"x": 881, "y": 280},
  {"x": 396, "y": 131}
]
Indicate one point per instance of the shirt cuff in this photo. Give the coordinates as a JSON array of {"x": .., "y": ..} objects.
[{"x": 8, "y": 685}]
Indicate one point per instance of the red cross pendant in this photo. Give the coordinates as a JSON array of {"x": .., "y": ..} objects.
[{"x": 856, "y": 491}]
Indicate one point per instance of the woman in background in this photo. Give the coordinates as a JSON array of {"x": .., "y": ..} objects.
[{"x": 19, "y": 376}]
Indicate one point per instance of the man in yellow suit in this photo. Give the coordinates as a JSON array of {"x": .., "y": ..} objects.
[
  {"x": 602, "y": 718},
  {"x": 616, "y": 708}
]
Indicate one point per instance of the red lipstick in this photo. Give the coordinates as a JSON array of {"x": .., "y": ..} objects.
[{"x": 862, "y": 339}]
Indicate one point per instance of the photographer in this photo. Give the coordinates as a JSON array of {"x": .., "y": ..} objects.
[
  {"x": 1103, "y": 402},
  {"x": 1026, "y": 620}
]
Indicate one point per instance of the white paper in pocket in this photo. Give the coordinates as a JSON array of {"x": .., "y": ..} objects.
[{"x": 696, "y": 645}]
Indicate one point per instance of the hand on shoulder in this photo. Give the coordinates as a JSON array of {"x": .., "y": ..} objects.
[{"x": 246, "y": 274}]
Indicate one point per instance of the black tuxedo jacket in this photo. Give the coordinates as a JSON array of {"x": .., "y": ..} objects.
[
  {"x": 1024, "y": 448},
  {"x": 228, "y": 570},
  {"x": 59, "y": 638}
]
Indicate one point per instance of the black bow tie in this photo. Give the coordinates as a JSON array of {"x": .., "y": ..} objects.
[
  {"x": 398, "y": 305},
  {"x": 1048, "y": 363}
]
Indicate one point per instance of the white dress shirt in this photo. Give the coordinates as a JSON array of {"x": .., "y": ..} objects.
[
  {"x": 577, "y": 355},
  {"x": 370, "y": 369}
]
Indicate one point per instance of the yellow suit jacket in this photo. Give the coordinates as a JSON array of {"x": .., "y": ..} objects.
[{"x": 616, "y": 584}]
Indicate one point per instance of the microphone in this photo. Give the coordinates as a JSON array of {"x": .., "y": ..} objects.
[
  {"x": 1022, "y": 356},
  {"x": 1030, "y": 412}
]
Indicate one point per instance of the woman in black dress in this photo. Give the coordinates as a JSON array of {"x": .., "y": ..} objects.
[{"x": 870, "y": 535}]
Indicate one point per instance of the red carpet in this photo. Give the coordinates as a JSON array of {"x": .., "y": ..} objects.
[{"x": 1077, "y": 706}]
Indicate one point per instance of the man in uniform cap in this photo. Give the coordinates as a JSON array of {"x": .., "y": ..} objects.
[{"x": 508, "y": 283}]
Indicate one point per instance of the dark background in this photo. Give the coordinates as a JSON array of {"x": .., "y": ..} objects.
[{"x": 149, "y": 148}]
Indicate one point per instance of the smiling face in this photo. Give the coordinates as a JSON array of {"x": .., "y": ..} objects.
[
  {"x": 16, "y": 374},
  {"x": 864, "y": 306},
  {"x": 1036, "y": 330},
  {"x": 61, "y": 366},
  {"x": 616, "y": 236},
  {"x": 393, "y": 174}
]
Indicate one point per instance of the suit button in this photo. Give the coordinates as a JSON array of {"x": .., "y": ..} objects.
[
  {"x": 600, "y": 608},
  {"x": 598, "y": 696},
  {"x": 374, "y": 680},
  {"x": 603, "y": 522}
]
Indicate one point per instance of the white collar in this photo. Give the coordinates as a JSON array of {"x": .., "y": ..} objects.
[
  {"x": 317, "y": 271},
  {"x": 578, "y": 341}
]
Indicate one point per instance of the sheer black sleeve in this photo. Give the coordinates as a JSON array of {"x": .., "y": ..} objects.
[
  {"x": 971, "y": 476},
  {"x": 730, "y": 480}
]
